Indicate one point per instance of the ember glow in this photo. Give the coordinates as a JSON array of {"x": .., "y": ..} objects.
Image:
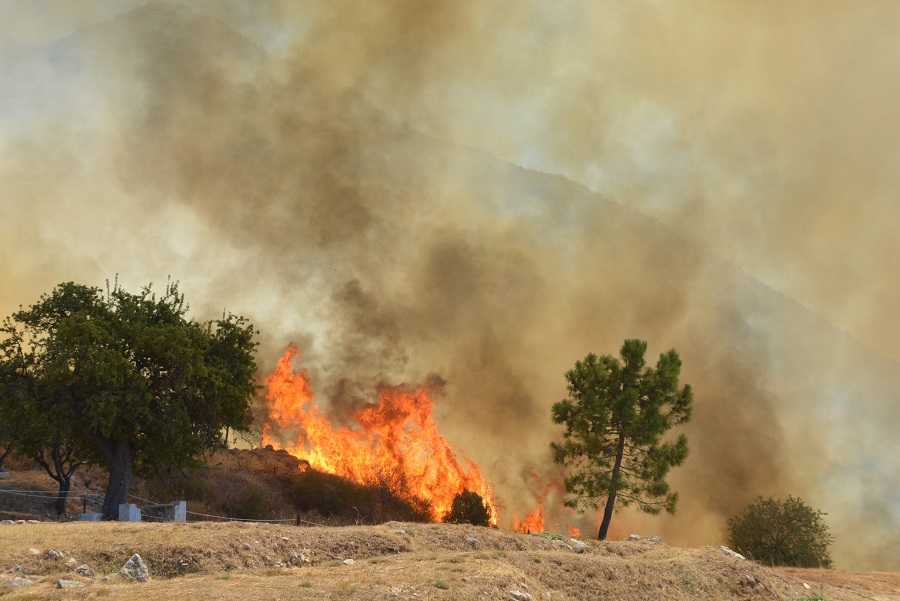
[{"x": 397, "y": 442}]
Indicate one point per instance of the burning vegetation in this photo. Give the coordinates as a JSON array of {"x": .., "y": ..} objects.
[{"x": 395, "y": 444}]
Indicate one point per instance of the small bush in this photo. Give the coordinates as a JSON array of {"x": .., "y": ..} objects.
[
  {"x": 781, "y": 533},
  {"x": 468, "y": 508}
]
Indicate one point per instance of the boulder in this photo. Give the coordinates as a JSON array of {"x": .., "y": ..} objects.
[
  {"x": 135, "y": 569},
  {"x": 19, "y": 582},
  {"x": 54, "y": 554},
  {"x": 520, "y": 596},
  {"x": 68, "y": 584},
  {"x": 84, "y": 570}
]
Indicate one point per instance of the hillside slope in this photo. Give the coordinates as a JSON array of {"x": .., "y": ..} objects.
[
  {"x": 393, "y": 561},
  {"x": 163, "y": 144}
]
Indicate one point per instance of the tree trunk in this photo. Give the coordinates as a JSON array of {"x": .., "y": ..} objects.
[
  {"x": 611, "y": 498},
  {"x": 60, "y": 456},
  {"x": 65, "y": 484},
  {"x": 121, "y": 473}
]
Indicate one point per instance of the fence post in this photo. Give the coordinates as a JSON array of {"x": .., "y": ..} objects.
[{"x": 129, "y": 512}]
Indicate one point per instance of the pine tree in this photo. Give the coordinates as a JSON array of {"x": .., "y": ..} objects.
[{"x": 616, "y": 415}]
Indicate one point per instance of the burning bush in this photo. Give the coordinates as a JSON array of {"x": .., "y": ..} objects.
[
  {"x": 468, "y": 508},
  {"x": 338, "y": 497}
]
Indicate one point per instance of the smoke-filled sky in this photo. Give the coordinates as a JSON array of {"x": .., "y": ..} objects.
[{"x": 488, "y": 191}]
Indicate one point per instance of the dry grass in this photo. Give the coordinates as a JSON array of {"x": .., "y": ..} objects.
[
  {"x": 240, "y": 561},
  {"x": 224, "y": 561}
]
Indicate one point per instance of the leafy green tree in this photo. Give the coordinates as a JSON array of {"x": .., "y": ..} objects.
[
  {"x": 468, "y": 508},
  {"x": 40, "y": 435},
  {"x": 126, "y": 378},
  {"x": 616, "y": 415},
  {"x": 6, "y": 438},
  {"x": 781, "y": 533}
]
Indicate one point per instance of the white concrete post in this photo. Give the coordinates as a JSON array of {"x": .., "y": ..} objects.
[{"x": 129, "y": 512}]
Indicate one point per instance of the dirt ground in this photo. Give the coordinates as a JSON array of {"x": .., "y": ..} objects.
[
  {"x": 239, "y": 561},
  {"x": 393, "y": 560}
]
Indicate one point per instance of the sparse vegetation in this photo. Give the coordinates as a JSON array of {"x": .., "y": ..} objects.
[
  {"x": 223, "y": 569},
  {"x": 442, "y": 585},
  {"x": 781, "y": 533}
]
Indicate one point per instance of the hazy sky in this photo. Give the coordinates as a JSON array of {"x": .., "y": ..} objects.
[{"x": 490, "y": 190}]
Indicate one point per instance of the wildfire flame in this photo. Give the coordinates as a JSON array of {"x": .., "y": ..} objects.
[
  {"x": 397, "y": 437},
  {"x": 533, "y": 522}
]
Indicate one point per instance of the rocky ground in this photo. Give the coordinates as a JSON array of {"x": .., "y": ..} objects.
[
  {"x": 42, "y": 558},
  {"x": 390, "y": 561}
]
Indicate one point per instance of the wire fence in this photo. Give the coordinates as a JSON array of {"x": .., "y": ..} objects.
[{"x": 93, "y": 498}]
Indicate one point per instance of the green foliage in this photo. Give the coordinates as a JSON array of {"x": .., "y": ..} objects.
[
  {"x": 781, "y": 533},
  {"x": 615, "y": 417},
  {"x": 442, "y": 585},
  {"x": 468, "y": 508},
  {"x": 127, "y": 378}
]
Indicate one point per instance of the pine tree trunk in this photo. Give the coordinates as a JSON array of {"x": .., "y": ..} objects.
[
  {"x": 611, "y": 498},
  {"x": 121, "y": 473}
]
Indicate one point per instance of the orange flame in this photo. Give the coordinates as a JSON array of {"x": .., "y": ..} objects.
[
  {"x": 533, "y": 522},
  {"x": 397, "y": 439},
  {"x": 574, "y": 532}
]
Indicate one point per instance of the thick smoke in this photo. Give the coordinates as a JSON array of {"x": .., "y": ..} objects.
[{"x": 488, "y": 192}]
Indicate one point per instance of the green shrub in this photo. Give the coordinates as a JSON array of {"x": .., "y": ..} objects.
[
  {"x": 781, "y": 533},
  {"x": 468, "y": 508}
]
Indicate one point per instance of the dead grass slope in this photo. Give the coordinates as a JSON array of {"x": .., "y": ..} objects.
[{"x": 427, "y": 561}]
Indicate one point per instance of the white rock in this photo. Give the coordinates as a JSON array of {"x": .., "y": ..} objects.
[
  {"x": 54, "y": 554},
  {"x": 577, "y": 545},
  {"x": 348, "y": 562},
  {"x": 18, "y": 582},
  {"x": 34, "y": 552},
  {"x": 520, "y": 596},
  {"x": 135, "y": 569},
  {"x": 728, "y": 551},
  {"x": 633, "y": 537},
  {"x": 69, "y": 584}
]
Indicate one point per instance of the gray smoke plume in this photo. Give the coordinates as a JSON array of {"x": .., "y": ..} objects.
[{"x": 488, "y": 192}]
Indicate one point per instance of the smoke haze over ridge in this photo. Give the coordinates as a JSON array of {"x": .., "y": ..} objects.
[{"x": 488, "y": 191}]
